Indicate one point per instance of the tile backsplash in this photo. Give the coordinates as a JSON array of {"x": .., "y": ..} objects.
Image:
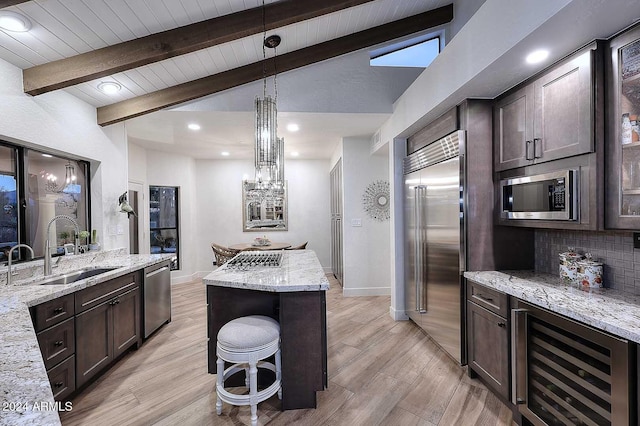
[{"x": 614, "y": 249}]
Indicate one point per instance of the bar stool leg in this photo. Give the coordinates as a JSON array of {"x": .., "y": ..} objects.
[
  {"x": 253, "y": 390},
  {"x": 279, "y": 372},
  {"x": 220, "y": 381}
]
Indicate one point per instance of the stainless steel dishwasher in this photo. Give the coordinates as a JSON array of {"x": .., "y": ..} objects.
[{"x": 157, "y": 297}]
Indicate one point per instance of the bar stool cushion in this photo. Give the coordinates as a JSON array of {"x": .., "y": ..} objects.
[{"x": 249, "y": 333}]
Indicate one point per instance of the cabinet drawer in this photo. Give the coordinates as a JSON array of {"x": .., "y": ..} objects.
[
  {"x": 62, "y": 378},
  {"x": 52, "y": 312},
  {"x": 493, "y": 300},
  {"x": 100, "y": 293},
  {"x": 57, "y": 343}
]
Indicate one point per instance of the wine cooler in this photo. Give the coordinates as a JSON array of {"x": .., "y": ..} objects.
[{"x": 566, "y": 373}]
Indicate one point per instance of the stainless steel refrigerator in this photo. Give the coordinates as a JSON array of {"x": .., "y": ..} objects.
[{"x": 434, "y": 236}]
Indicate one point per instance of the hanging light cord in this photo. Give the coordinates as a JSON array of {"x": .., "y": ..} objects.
[
  {"x": 264, "y": 59},
  {"x": 264, "y": 52}
]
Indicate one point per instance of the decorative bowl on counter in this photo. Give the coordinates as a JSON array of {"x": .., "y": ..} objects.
[{"x": 261, "y": 242}]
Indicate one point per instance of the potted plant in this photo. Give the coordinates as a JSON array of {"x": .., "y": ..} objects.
[
  {"x": 95, "y": 245},
  {"x": 85, "y": 236},
  {"x": 63, "y": 236}
]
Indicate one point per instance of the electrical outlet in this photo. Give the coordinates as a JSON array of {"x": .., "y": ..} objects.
[{"x": 356, "y": 222}]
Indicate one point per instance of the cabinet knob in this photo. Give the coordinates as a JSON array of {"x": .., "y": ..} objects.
[
  {"x": 58, "y": 384},
  {"x": 58, "y": 310},
  {"x": 58, "y": 343},
  {"x": 501, "y": 324}
]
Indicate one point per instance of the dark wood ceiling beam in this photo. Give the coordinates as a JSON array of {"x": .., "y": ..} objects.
[
  {"x": 179, "y": 41},
  {"x": 175, "y": 95},
  {"x": 7, "y": 3}
]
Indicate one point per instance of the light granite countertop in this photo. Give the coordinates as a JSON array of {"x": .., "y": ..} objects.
[
  {"x": 610, "y": 310},
  {"x": 300, "y": 270},
  {"x": 25, "y": 393}
]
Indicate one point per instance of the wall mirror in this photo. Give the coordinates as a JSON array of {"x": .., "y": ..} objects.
[{"x": 263, "y": 210}]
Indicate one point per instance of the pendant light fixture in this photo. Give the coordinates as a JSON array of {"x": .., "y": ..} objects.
[
  {"x": 70, "y": 178},
  {"x": 269, "y": 148}
]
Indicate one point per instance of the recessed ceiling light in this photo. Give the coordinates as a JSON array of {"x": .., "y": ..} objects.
[
  {"x": 293, "y": 127},
  {"x": 109, "y": 87},
  {"x": 193, "y": 126},
  {"x": 537, "y": 56},
  {"x": 47, "y": 155},
  {"x": 295, "y": 153},
  {"x": 224, "y": 153},
  {"x": 12, "y": 21}
]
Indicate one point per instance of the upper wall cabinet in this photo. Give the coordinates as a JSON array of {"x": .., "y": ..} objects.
[
  {"x": 548, "y": 118},
  {"x": 623, "y": 134}
]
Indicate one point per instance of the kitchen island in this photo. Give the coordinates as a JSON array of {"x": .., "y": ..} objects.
[
  {"x": 294, "y": 295},
  {"x": 25, "y": 392}
]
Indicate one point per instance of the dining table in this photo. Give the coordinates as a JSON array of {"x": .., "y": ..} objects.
[{"x": 252, "y": 246}]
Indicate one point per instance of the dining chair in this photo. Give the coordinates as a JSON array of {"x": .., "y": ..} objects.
[
  {"x": 222, "y": 253},
  {"x": 300, "y": 247}
]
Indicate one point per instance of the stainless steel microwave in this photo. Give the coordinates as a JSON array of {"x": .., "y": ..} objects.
[{"x": 548, "y": 196}]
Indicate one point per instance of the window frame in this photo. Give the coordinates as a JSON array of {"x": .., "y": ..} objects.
[{"x": 21, "y": 175}]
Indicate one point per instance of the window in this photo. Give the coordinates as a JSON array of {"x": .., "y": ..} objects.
[
  {"x": 34, "y": 187},
  {"x": 410, "y": 53},
  {"x": 9, "y": 200},
  {"x": 163, "y": 221}
]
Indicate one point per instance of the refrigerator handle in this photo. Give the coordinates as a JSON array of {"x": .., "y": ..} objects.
[{"x": 421, "y": 283}]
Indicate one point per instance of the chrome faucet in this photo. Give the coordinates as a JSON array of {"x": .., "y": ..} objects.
[
  {"x": 47, "y": 245},
  {"x": 11, "y": 257}
]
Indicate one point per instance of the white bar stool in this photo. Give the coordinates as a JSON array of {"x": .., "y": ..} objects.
[{"x": 248, "y": 341}]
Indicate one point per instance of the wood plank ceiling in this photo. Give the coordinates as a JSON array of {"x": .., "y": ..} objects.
[{"x": 165, "y": 52}]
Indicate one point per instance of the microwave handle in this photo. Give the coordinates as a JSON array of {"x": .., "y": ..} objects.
[
  {"x": 536, "y": 142},
  {"x": 527, "y": 144},
  {"x": 518, "y": 355}
]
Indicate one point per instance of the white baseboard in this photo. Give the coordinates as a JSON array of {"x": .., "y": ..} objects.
[
  {"x": 398, "y": 315},
  {"x": 188, "y": 278},
  {"x": 373, "y": 291}
]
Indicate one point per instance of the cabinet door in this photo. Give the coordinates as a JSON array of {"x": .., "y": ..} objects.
[
  {"x": 126, "y": 321},
  {"x": 488, "y": 347},
  {"x": 563, "y": 121},
  {"x": 513, "y": 129},
  {"x": 94, "y": 342},
  {"x": 622, "y": 177}
]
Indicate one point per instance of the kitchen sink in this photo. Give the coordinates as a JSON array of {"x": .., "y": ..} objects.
[{"x": 74, "y": 276}]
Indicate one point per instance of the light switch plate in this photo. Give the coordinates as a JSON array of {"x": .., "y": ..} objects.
[{"x": 356, "y": 222}]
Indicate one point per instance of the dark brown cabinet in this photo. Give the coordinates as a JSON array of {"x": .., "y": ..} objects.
[
  {"x": 54, "y": 325},
  {"x": 488, "y": 337},
  {"x": 108, "y": 323},
  {"x": 623, "y": 132},
  {"x": 550, "y": 117}
]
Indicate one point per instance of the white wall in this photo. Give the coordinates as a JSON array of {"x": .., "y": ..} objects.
[
  {"x": 63, "y": 124},
  {"x": 219, "y": 205},
  {"x": 179, "y": 171},
  {"x": 366, "y": 248}
]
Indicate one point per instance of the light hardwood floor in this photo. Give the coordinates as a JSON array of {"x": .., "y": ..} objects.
[{"x": 381, "y": 372}]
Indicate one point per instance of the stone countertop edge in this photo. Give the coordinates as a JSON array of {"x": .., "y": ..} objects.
[
  {"x": 609, "y": 310},
  {"x": 25, "y": 393},
  {"x": 300, "y": 270}
]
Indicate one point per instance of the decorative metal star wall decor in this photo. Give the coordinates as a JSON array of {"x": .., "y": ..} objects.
[{"x": 376, "y": 200}]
